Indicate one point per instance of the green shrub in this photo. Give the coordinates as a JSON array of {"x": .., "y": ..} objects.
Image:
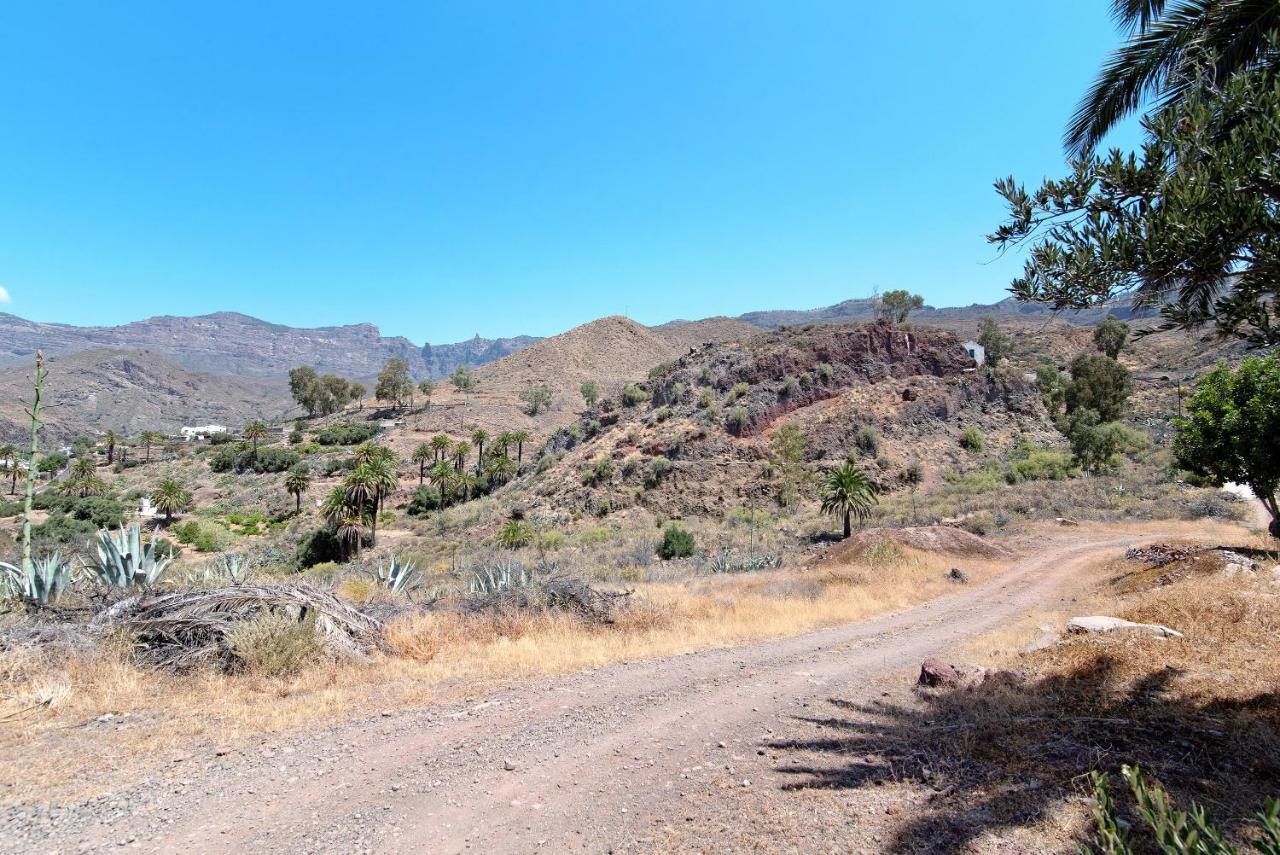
[
  {"x": 318, "y": 547},
  {"x": 187, "y": 532},
  {"x": 239, "y": 460},
  {"x": 594, "y": 535},
  {"x": 634, "y": 395},
  {"x": 676, "y": 542},
  {"x": 867, "y": 441},
  {"x": 825, "y": 372},
  {"x": 662, "y": 413},
  {"x": 295, "y": 437},
  {"x": 736, "y": 420},
  {"x": 346, "y": 434},
  {"x": 515, "y": 533},
  {"x": 549, "y": 541},
  {"x": 971, "y": 440},
  {"x": 425, "y": 499},
  {"x": 738, "y": 391},
  {"x": 600, "y": 470},
  {"x": 657, "y": 469},
  {"x": 706, "y": 399}
]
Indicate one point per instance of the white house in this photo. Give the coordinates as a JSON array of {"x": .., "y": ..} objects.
[
  {"x": 202, "y": 431},
  {"x": 977, "y": 351}
]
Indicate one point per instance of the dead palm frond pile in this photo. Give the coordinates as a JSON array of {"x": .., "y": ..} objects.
[{"x": 188, "y": 628}]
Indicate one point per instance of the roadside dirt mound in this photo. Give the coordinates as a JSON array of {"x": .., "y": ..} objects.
[{"x": 930, "y": 538}]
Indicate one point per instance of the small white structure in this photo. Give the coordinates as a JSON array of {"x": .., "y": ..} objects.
[
  {"x": 202, "y": 431},
  {"x": 145, "y": 509},
  {"x": 977, "y": 351}
]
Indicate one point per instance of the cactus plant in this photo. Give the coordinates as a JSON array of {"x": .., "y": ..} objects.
[
  {"x": 45, "y": 581},
  {"x": 124, "y": 561},
  {"x": 501, "y": 576},
  {"x": 397, "y": 576}
]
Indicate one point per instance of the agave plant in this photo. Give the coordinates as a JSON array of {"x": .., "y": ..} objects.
[
  {"x": 228, "y": 568},
  {"x": 124, "y": 561},
  {"x": 398, "y": 576},
  {"x": 500, "y": 576},
  {"x": 43, "y": 584}
]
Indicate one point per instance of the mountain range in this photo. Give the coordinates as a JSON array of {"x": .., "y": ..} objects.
[{"x": 227, "y": 367}]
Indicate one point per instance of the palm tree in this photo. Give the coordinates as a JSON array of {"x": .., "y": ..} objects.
[
  {"x": 441, "y": 444},
  {"x": 478, "y": 438},
  {"x": 346, "y": 518},
  {"x": 467, "y": 482},
  {"x": 171, "y": 497},
  {"x": 421, "y": 455},
  {"x": 847, "y": 492},
  {"x": 254, "y": 431},
  {"x": 1173, "y": 46},
  {"x": 461, "y": 451},
  {"x": 148, "y": 437},
  {"x": 500, "y": 469},
  {"x": 296, "y": 481},
  {"x": 111, "y": 438},
  {"x": 84, "y": 467},
  {"x": 385, "y": 482},
  {"x": 442, "y": 475},
  {"x": 519, "y": 437},
  {"x": 9, "y": 454}
]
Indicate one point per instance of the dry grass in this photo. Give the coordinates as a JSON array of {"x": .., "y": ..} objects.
[
  {"x": 1200, "y": 714},
  {"x": 50, "y": 697}
]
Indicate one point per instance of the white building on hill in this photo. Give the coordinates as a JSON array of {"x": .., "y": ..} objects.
[
  {"x": 977, "y": 351},
  {"x": 202, "y": 431}
]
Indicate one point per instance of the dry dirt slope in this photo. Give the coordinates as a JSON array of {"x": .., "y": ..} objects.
[{"x": 612, "y": 351}]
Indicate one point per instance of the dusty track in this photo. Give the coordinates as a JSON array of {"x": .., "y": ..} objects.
[{"x": 599, "y": 761}]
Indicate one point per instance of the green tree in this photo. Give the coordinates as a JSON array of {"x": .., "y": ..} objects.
[
  {"x": 461, "y": 451},
  {"x": 895, "y": 306},
  {"x": 170, "y": 497},
  {"x": 1098, "y": 383},
  {"x": 519, "y": 438},
  {"x": 422, "y": 455},
  {"x": 297, "y": 481},
  {"x": 356, "y": 392},
  {"x": 255, "y": 431},
  {"x": 111, "y": 438},
  {"x": 789, "y": 449},
  {"x": 462, "y": 379},
  {"x": 394, "y": 385},
  {"x": 847, "y": 493},
  {"x": 479, "y": 437},
  {"x": 590, "y": 391},
  {"x": 536, "y": 398},
  {"x": 440, "y": 444},
  {"x": 1231, "y": 433},
  {"x": 515, "y": 534},
  {"x": 347, "y": 517},
  {"x": 303, "y": 386},
  {"x": 994, "y": 340},
  {"x": 676, "y": 542},
  {"x": 1187, "y": 225},
  {"x": 1110, "y": 336},
  {"x": 443, "y": 475},
  {"x": 1174, "y": 48},
  {"x": 149, "y": 438},
  {"x": 1052, "y": 384},
  {"x": 426, "y": 387}
]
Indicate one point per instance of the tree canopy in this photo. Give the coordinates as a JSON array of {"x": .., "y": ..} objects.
[
  {"x": 895, "y": 306},
  {"x": 1231, "y": 432}
]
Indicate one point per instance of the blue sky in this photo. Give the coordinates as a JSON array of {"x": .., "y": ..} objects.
[{"x": 444, "y": 169}]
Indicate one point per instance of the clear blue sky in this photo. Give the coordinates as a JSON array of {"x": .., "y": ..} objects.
[{"x": 443, "y": 169}]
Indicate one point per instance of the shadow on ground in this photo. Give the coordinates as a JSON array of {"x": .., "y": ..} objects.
[{"x": 1009, "y": 752}]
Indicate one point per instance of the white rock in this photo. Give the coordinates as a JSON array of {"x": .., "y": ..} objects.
[{"x": 1099, "y": 623}]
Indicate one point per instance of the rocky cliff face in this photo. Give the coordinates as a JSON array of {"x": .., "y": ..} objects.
[{"x": 234, "y": 344}]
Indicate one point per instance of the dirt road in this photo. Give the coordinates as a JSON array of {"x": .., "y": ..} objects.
[{"x": 600, "y": 761}]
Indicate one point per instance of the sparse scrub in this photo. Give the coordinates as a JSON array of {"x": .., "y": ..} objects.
[
  {"x": 971, "y": 440},
  {"x": 274, "y": 644}
]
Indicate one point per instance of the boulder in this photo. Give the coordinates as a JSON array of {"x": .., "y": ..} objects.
[
  {"x": 937, "y": 673},
  {"x": 1099, "y": 623}
]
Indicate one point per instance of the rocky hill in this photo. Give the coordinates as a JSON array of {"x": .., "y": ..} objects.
[
  {"x": 130, "y": 391},
  {"x": 235, "y": 344},
  {"x": 863, "y": 309},
  {"x": 700, "y": 444}
]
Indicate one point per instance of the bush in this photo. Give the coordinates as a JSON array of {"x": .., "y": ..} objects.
[
  {"x": 676, "y": 542},
  {"x": 274, "y": 644},
  {"x": 657, "y": 469},
  {"x": 600, "y": 470},
  {"x": 549, "y": 541},
  {"x": 187, "y": 532},
  {"x": 867, "y": 441},
  {"x": 295, "y": 437},
  {"x": 319, "y": 547},
  {"x": 971, "y": 440},
  {"x": 738, "y": 391},
  {"x": 706, "y": 399},
  {"x": 736, "y": 420},
  {"x": 825, "y": 372},
  {"x": 101, "y": 511},
  {"x": 634, "y": 395},
  {"x": 425, "y": 499},
  {"x": 515, "y": 534},
  {"x": 346, "y": 434},
  {"x": 239, "y": 460}
]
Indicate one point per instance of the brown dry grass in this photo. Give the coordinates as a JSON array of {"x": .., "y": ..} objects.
[
  {"x": 52, "y": 701},
  {"x": 1002, "y": 761}
]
